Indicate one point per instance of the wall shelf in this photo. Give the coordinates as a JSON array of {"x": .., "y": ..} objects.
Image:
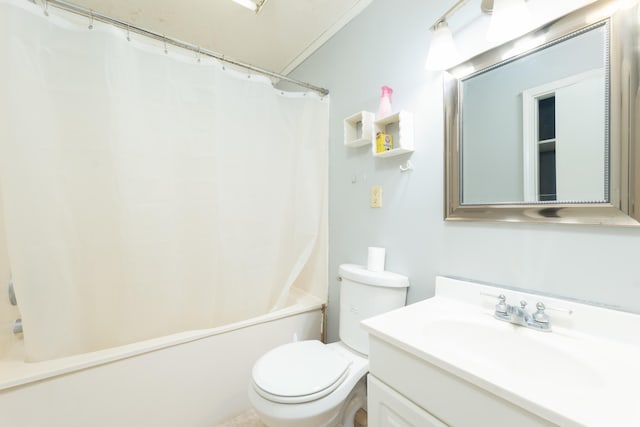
[
  {"x": 398, "y": 125},
  {"x": 358, "y": 129}
]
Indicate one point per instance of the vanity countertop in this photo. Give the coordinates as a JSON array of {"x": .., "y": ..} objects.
[{"x": 585, "y": 372}]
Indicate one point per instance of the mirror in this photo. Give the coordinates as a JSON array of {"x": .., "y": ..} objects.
[
  {"x": 542, "y": 129},
  {"x": 533, "y": 128}
]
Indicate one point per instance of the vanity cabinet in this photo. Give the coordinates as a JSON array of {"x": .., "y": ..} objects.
[
  {"x": 405, "y": 390},
  {"x": 388, "y": 408},
  {"x": 448, "y": 359}
]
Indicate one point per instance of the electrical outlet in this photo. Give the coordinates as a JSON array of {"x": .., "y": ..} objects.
[{"x": 376, "y": 196}]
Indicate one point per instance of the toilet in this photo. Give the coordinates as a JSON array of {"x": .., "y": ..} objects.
[{"x": 311, "y": 384}]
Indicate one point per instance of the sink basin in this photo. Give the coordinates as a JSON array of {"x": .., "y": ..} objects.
[
  {"x": 583, "y": 373},
  {"x": 505, "y": 349}
]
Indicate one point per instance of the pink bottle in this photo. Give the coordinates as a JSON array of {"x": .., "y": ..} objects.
[{"x": 385, "y": 103}]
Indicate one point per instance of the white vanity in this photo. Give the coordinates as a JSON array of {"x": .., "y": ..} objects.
[{"x": 448, "y": 361}]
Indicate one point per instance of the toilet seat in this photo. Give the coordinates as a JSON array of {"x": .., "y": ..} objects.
[{"x": 299, "y": 372}]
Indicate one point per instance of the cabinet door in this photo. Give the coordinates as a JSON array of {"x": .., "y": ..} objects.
[{"x": 388, "y": 408}]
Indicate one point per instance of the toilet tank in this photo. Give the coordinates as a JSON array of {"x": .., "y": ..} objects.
[{"x": 365, "y": 294}]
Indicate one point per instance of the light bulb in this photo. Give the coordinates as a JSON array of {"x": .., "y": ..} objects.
[{"x": 443, "y": 52}]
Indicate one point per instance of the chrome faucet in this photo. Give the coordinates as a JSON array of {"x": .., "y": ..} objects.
[{"x": 519, "y": 315}]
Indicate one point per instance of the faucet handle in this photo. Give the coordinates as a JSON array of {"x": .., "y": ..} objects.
[
  {"x": 523, "y": 304},
  {"x": 540, "y": 316},
  {"x": 501, "y": 307}
]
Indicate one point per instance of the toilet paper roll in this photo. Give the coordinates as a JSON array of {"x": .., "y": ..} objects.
[{"x": 375, "y": 261}]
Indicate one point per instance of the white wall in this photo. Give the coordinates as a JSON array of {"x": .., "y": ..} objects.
[{"x": 387, "y": 44}]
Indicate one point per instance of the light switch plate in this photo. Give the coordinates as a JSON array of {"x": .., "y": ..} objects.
[{"x": 376, "y": 196}]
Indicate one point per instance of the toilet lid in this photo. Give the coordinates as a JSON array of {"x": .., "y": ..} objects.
[{"x": 299, "y": 371}]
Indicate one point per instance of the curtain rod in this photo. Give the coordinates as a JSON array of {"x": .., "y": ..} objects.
[{"x": 78, "y": 10}]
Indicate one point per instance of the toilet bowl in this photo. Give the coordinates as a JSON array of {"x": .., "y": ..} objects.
[{"x": 311, "y": 384}]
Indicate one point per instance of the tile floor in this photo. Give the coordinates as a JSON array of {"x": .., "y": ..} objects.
[
  {"x": 246, "y": 419},
  {"x": 250, "y": 419}
]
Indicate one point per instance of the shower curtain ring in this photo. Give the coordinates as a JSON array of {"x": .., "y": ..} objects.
[
  {"x": 45, "y": 9},
  {"x": 198, "y": 54},
  {"x": 128, "y": 34},
  {"x": 166, "y": 51},
  {"x": 91, "y": 23}
]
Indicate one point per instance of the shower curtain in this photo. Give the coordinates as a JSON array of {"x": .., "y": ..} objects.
[{"x": 144, "y": 192}]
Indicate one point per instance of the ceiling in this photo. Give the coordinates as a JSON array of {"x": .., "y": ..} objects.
[{"x": 278, "y": 38}]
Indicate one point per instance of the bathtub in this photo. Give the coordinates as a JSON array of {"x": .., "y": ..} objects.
[{"x": 191, "y": 379}]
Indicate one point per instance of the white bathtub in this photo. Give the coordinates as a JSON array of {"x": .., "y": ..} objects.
[{"x": 192, "y": 379}]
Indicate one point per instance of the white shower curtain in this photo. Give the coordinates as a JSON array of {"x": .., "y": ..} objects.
[{"x": 147, "y": 193}]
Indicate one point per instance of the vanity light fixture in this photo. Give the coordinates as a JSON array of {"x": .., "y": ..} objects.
[
  {"x": 254, "y": 5},
  {"x": 509, "y": 18},
  {"x": 443, "y": 52}
]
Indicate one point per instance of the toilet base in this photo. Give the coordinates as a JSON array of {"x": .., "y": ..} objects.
[
  {"x": 338, "y": 416},
  {"x": 337, "y": 409},
  {"x": 357, "y": 400}
]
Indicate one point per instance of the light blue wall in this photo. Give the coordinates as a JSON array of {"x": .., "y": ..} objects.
[{"x": 387, "y": 44}]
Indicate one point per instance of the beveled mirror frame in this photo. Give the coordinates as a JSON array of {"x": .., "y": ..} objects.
[{"x": 623, "y": 125}]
